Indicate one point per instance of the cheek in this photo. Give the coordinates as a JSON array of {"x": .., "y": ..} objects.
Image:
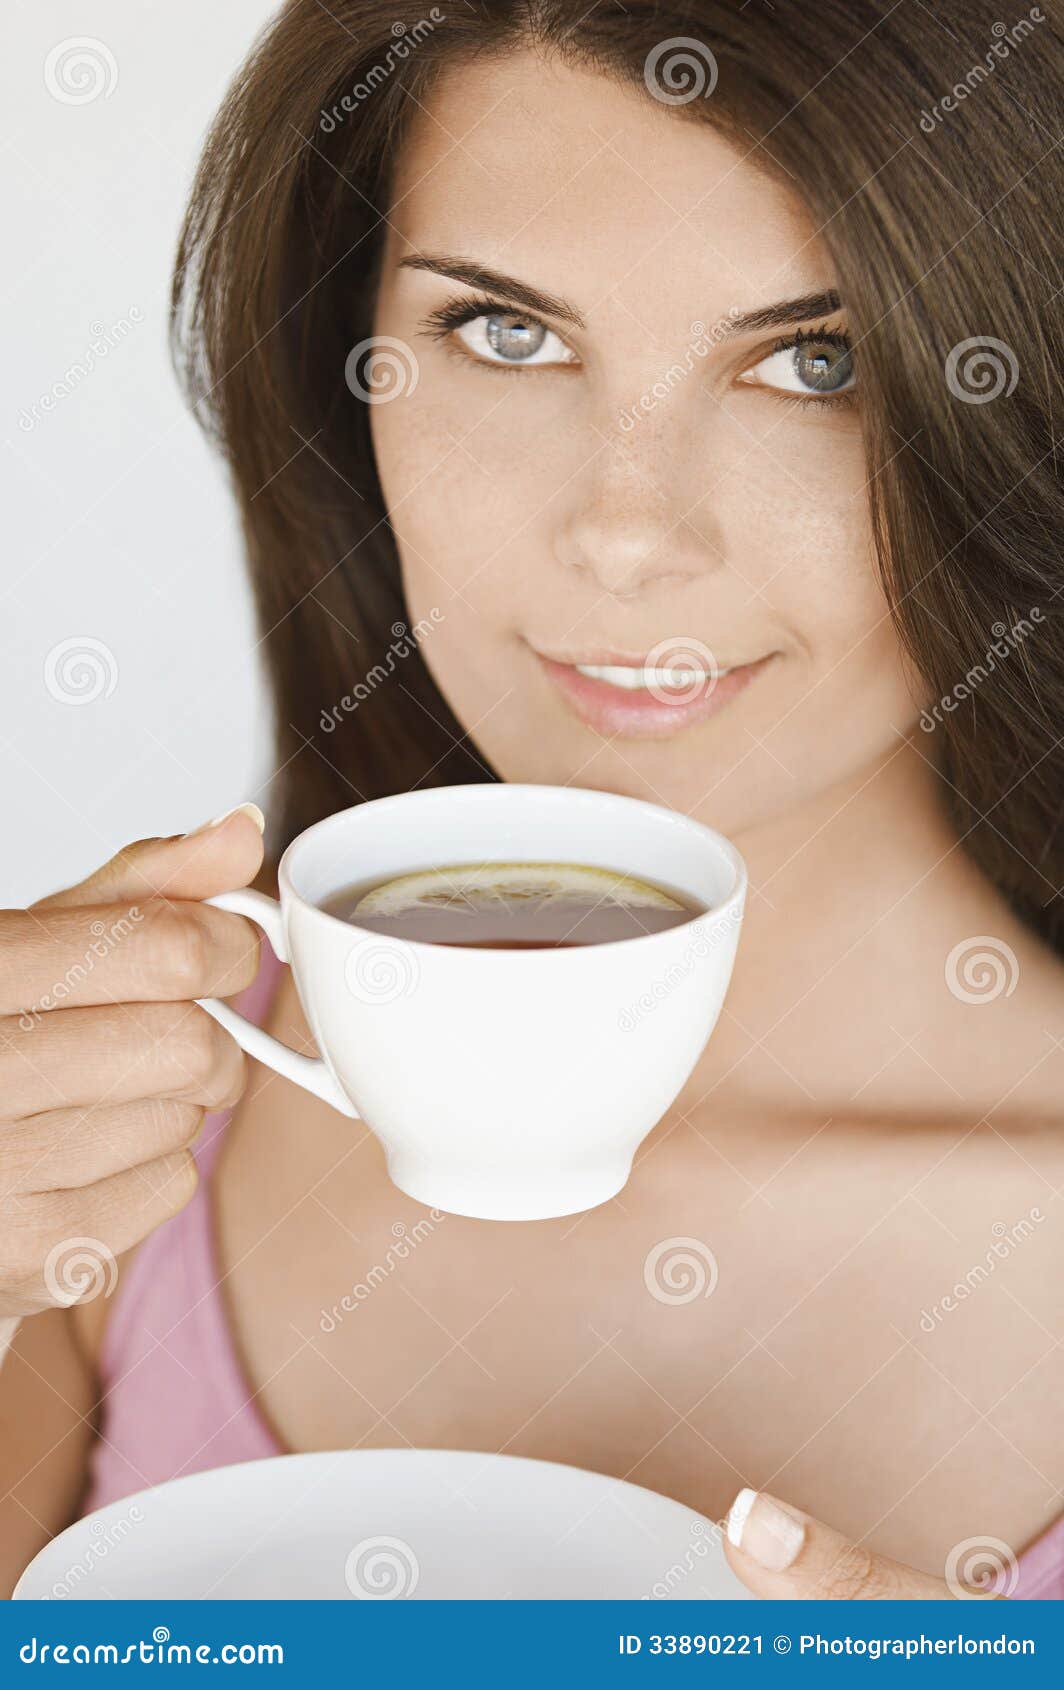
[
  {"x": 471, "y": 504},
  {"x": 792, "y": 507},
  {"x": 459, "y": 488},
  {"x": 453, "y": 517},
  {"x": 856, "y": 693},
  {"x": 794, "y": 513}
]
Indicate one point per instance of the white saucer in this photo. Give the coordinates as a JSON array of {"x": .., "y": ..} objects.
[{"x": 385, "y": 1523}]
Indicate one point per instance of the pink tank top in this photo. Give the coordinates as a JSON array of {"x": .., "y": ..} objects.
[{"x": 175, "y": 1397}]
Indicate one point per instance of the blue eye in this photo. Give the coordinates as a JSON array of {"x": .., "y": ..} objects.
[{"x": 506, "y": 337}]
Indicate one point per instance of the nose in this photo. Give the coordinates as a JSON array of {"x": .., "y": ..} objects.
[{"x": 635, "y": 519}]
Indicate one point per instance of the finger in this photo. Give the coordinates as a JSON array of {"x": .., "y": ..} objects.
[
  {"x": 62, "y": 1245},
  {"x": 224, "y": 854},
  {"x": 67, "y": 1148},
  {"x": 88, "y": 1056},
  {"x": 782, "y": 1554},
  {"x": 65, "y": 957}
]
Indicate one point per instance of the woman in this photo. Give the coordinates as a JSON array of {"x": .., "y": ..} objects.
[{"x": 646, "y": 401}]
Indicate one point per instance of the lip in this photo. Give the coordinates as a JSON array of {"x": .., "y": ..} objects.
[{"x": 614, "y": 712}]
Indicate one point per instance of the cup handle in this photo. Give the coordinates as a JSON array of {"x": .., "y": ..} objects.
[{"x": 306, "y": 1071}]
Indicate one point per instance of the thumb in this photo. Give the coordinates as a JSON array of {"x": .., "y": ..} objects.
[
  {"x": 782, "y": 1554},
  {"x": 218, "y": 857}
]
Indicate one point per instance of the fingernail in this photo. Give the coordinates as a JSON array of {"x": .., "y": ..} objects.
[
  {"x": 762, "y": 1529},
  {"x": 250, "y": 810}
]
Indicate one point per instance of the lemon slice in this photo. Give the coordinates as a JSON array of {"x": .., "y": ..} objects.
[{"x": 477, "y": 884}]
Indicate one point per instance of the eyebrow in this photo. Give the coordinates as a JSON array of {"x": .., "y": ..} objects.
[
  {"x": 779, "y": 315},
  {"x": 787, "y": 311},
  {"x": 493, "y": 281}
]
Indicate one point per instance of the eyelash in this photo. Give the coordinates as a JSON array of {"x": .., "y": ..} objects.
[
  {"x": 441, "y": 324},
  {"x": 819, "y": 337}
]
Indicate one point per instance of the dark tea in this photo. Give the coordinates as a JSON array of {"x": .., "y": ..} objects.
[{"x": 514, "y": 906}]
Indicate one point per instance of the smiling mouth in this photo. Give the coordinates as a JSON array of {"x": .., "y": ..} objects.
[
  {"x": 646, "y": 678},
  {"x": 627, "y": 697}
]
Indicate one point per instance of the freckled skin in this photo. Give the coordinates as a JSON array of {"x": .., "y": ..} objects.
[{"x": 526, "y": 512}]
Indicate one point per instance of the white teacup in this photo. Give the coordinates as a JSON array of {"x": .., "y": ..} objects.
[{"x": 509, "y": 1085}]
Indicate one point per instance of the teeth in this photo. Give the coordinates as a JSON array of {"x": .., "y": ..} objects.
[{"x": 634, "y": 680}]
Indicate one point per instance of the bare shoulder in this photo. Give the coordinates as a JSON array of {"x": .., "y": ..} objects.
[{"x": 1003, "y": 1038}]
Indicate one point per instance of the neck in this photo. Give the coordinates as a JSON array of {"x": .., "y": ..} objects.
[{"x": 856, "y": 899}]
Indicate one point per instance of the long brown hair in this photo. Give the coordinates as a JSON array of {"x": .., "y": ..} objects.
[{"x": 929, "y": 166}]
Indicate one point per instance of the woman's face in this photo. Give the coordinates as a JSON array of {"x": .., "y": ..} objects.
[{"x": 636, "y": 469}]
